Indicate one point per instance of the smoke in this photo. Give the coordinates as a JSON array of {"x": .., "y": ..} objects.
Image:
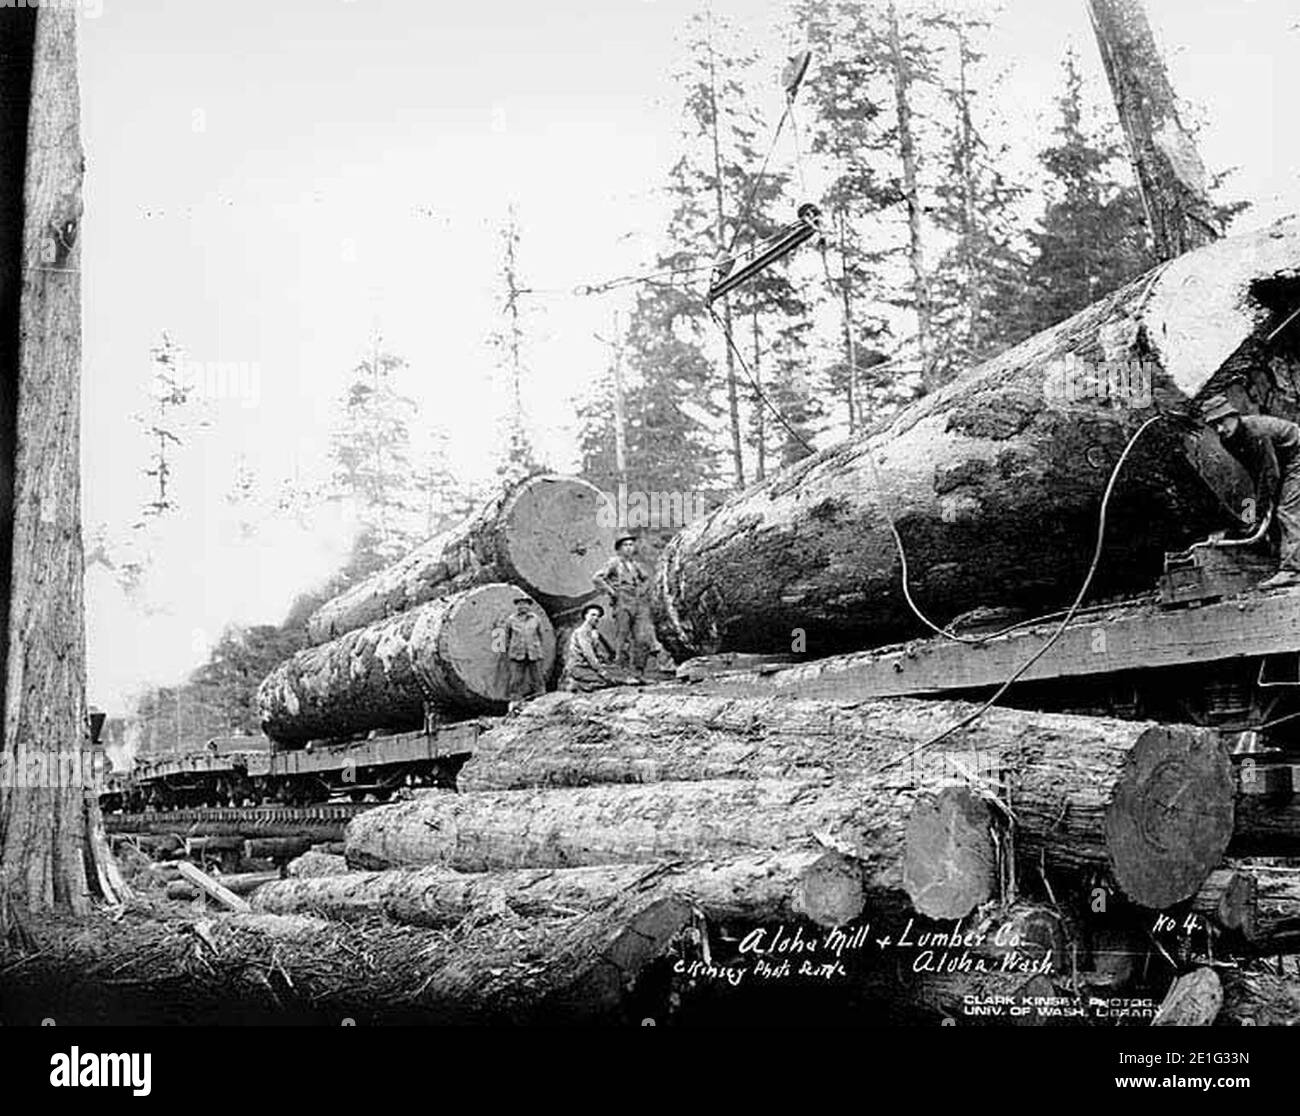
[{"x": 204, "y": 575}]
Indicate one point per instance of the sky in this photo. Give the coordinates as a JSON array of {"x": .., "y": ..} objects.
[{"x": 270, "y": 183}]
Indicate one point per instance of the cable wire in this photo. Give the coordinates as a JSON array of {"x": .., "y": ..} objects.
[{"x": 972, "y": 717}]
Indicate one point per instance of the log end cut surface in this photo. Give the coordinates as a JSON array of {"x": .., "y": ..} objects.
[
  {"x": 465, "y": 654},
  {"x": 558, "y": 531},
  {"x": 950, "y": 863},
  {"x": 1170, "y": 817}
]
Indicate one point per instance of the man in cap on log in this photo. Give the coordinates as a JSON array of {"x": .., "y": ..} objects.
[
  {"x": 627, "y": 583},
  {"x": 519, "y": 637},
  {"x": 1269, "y": 449},
  {"x": 588, "y": 658}
]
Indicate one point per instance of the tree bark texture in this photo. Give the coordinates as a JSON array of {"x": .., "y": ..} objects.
[
  {"x": 53, "y": 851},
  {"x": 382, "y": 677},
  {"x": 547, "y": 535},
  {"x": 994, "y": 482},
  {"x": 1168, "y": 166},
  {"x": 1087, "y": 793},
  {"x": 821, "y": 886}
]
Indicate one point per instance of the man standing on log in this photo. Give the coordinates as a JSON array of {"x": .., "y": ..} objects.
[
  {"x": 1269, "y": 449},
  {"x": 627, "y": 583},
  {"x": 519, "y": 638}
]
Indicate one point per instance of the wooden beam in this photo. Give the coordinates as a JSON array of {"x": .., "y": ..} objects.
[
  {"x": 1133, "y": 637},
  {"x": 209, "y": 886}
]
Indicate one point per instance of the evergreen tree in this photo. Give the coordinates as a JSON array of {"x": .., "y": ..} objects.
[
  {"x": 982, "y": 274},
  {"x": 165, "y": 425},
  {"x": 371, "y": 455},
  {"x": 443, "y": 500},
  {"x": 720, "y": 206},
  {"x": 1093, "y": 236},
  {"x": 862, "y": 75},
  {"x": 517, "y": 458}
]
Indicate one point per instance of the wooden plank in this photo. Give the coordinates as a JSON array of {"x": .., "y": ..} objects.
[
  {"x": 1122, "y": 639},
  {"x": 209, "y": 886},
  {"x": 703, "y": 667}
]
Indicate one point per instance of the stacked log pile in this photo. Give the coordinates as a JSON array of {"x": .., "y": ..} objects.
[
  {"x": 708, "y": 823},
  {"x": 666, "y": 847},
  {"x": 417, "y": 637},
  {"x": 547, "y": 535}
]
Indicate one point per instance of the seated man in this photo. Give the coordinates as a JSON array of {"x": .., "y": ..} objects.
[{"x": 589, "y": 657}]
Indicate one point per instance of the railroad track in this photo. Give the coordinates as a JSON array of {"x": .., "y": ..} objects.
[{"x": 269, "y": 821}]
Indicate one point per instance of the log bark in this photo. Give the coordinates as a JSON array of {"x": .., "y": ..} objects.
[
  {"x": 53, "y": 852},
  {"x": 823, "y": 887},
  {"x": 382, "y": 677},
  {"x": 1259, "y": 999},
  {"x": 1267, "y": 826},
  {"x": 547, "y": 535},
  {"x": 1194, "y": 1000},
  {"x": 612, "y": 966},
  {"x": 995, "y": 480},
  {"x": 716, "y": 820},
  {"x": 315, "y": 863},
  {"x": 1256, "y": 904},
  {"x": 1168, "y": 167},
  {"x": 1163, "y": 837}
]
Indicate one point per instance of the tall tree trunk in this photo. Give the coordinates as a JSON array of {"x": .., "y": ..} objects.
[
  {"x": 52, "y": 846},
  {"x": 733, "y": 401},
  {"x": 1169, "y": 170},
  {"x": 966, "y": 149},
  {"x": 760, "y": 465},
  {"x": 907, "y": 153},
  {"x": 850, "y": 351}
]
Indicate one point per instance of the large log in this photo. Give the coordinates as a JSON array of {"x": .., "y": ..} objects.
[
  {"x": 1259, "y": 999},
  {"x": 612, "y": 966},
  {"x": 1193, "y": 1000},
  {"x": 1171, "y": 788},
  {"x": 821, "y": 886},
  {"x": 995, "y": 480},
  {"x": 1256, "y": 904},
  {"x": 547, "y": 535},
  {"x": 715, "y": 819},
  {"x": 1267, "y": 826},
  {"x": 316, "y": 863},
  {"x": 384, "y": 676}
]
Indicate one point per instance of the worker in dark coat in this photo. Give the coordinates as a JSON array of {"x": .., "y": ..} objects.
[
  {"x": 627, "y": 583},
  {"x": 518, "y": 636},
  {"x": 588, "y": 660},
  {"x": 1269, "y": 448}
]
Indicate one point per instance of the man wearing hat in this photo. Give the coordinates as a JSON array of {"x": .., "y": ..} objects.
[
  {"x": 588, "y": 657},
  {"x": 627, "y": 584},
  {"x": 1269, "y": 449},
  {"x": 519, "y": 636}
]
